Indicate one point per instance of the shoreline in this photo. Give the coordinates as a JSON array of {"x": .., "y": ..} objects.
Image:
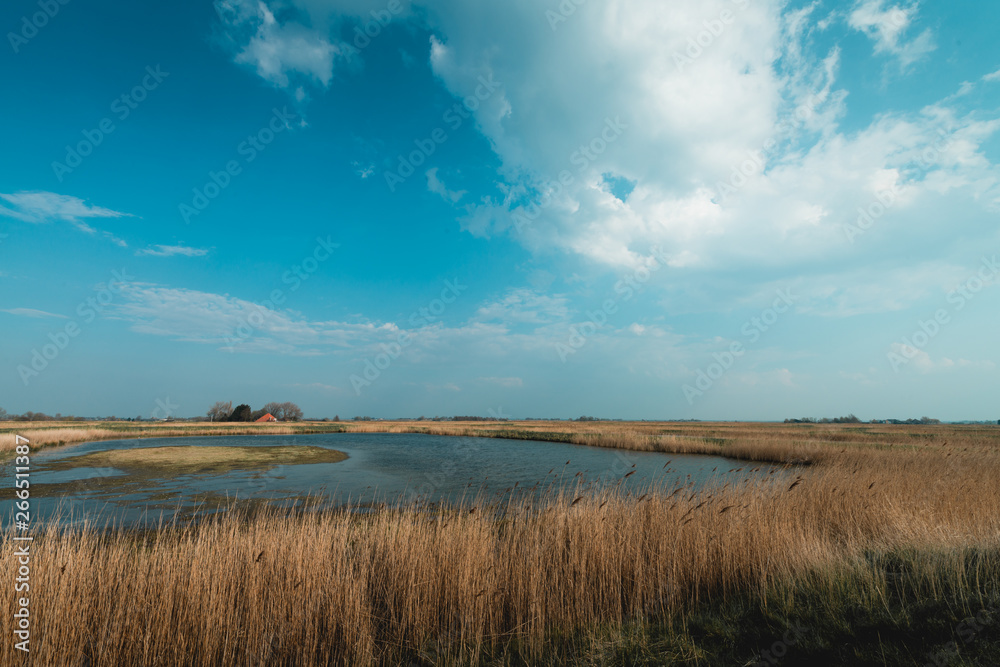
[{"x": 726, "y": 439}]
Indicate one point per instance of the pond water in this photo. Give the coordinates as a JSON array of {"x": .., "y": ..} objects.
[{"x": 380, "y": 467}]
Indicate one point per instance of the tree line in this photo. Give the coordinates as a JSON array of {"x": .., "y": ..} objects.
[
  {"x": 223, "y": 411},
  {"x": 851, "y": 419}
]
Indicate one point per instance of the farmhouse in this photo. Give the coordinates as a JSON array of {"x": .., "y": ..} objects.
[{"x": 267, "y": 418}]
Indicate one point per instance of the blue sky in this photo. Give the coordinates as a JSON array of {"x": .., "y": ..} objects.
[{"x": 696, "y": 209}]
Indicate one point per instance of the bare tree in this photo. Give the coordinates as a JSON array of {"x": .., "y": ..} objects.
[
  {"x": 220, "y": 411},
  {"x": 276, "y": 409},
  {"x": 291, "y": 412}
]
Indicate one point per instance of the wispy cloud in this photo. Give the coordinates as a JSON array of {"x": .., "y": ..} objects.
[
  {"x": 318, "y": 386},
  {"x": 172, "y": 250},
  {"x": 231, "y": 322},
  {"x": 42, "y": 207},
  {"x": 923, "y": 363},
  {"x": 525, "y": 306},
  {"x": 31, "y": 312}
]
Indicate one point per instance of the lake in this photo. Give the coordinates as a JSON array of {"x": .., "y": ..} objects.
[{"x": 381, "y": 467}]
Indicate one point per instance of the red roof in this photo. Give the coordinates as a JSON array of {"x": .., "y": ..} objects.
[{"x": 267, "y": 418}]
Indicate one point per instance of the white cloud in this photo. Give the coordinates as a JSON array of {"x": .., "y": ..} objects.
[
  {"x": 39, "y": 207},
  {"x": 230, "y": 322},
  {"x": 690, "y": 119},
  {"x": 886, "y": 26},
  {"x": 922, "y": 362},
  {"x": 759, "y": 94},
  {"x": 172, "y": 250},
  {"x": 277, "y": 50},
  {"x": 435, "y": 185},
  {"x": 31, "y": 312},
  {"x": 525, "y": 306},
  {"x": 42, "y": 207}
]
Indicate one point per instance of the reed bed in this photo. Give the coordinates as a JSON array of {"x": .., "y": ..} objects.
[
  {"x": 908, "y": 517},
  {"x": 48, "y": 434}
]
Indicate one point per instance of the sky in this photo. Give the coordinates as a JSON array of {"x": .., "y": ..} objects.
[{"x": 636, "y": 209}]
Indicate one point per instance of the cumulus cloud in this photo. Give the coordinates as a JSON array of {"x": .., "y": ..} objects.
[
  {"x": 887, "y": 25},
  {"x": 730, "y": 140},
  {"x": 733, "y": 142}
]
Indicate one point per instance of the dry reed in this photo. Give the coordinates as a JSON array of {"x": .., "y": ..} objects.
[{"x": 399, "y": 584}]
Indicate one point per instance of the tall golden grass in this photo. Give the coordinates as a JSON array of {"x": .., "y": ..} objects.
[
  {"x": 461, "y": 584},
  {"x": 47, "y": 434}
]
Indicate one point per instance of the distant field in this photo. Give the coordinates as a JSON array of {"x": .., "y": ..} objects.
[{"x": 884, "y": 549}]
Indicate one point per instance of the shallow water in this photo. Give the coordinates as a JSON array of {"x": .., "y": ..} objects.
[{"x": 381, "y": 467}]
